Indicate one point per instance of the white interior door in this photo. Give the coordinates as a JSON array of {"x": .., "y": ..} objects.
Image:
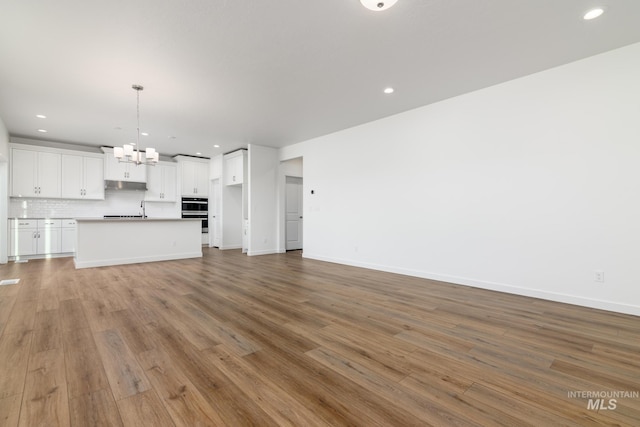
[
  {"x": 215, "y": 209},
  {"x": 294, "y": 213}
]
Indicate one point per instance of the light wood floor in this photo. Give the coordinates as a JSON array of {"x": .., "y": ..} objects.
[{"x": 281, "y": 340}]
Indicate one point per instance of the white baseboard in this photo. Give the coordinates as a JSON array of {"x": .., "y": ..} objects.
[
  {"x": 136, "y": 260},
  {"x": 500, "y": 287},
  {"x": 262, "y": 252},
  {"x": 225, "y": 248}
]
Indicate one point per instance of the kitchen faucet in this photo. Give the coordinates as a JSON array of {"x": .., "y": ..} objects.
[{"x": 142, "y": 205}]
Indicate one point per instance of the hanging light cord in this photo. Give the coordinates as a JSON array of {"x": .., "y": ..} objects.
[{"x": 138, "y": 88}]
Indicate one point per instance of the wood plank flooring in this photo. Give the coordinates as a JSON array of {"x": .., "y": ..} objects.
[{"x": 279, "y": 340}]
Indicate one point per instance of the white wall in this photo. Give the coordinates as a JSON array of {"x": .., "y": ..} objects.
[
  {"x": 231, "y": 217},
  {"x": 263, "y": 207},
  {"x": 525, "y": 187},
  {"x": 4, "y": 191}
]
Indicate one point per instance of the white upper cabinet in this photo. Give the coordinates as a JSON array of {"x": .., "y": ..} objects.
[
  {"x": 234, "y": 167},
  {"x": 117, "y": 171},
  {"x": 35, "y": 173},
  {"x": 194, "y": 177},
  {"x": 162, "y": 182},
  {"x": 82, "y": 177}
]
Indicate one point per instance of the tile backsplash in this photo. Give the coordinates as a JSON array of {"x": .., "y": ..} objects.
[{"x": 115, "y": 203}]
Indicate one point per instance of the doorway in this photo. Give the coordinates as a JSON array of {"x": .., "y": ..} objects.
[{"x": 293, "y": 213}]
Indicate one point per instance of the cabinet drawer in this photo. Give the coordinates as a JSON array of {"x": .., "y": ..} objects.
[
  {"x": 68, "y": 223},
  {"x": 49, "y": 223},
  {"x": 24, "y": 223}
]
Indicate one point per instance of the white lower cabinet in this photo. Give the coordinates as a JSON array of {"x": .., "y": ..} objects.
[
  {"x": 23, "y": 238},
  {"x": 68, "y": 236},
  {"x": 41, "y": 237}
]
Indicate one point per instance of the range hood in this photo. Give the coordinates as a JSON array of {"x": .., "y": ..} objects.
[{"x": 125, "y": 185}]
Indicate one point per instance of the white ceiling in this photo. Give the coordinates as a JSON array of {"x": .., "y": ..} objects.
[{"x": 234, "y": 72}]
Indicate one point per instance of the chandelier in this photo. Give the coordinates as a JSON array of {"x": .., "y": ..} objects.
[{"x": 127, "y": 153}]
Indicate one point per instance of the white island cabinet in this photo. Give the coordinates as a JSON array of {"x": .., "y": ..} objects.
[{"x": 102, "y": 242}]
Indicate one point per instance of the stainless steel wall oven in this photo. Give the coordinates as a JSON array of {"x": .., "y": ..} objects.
[{"x": 196, "y": 207}]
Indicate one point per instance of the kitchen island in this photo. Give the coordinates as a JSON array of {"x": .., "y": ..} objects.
[{"x": 101, "y": 242}]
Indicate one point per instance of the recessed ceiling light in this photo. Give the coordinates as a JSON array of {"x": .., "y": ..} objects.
[
  {"x": 378, "y": 5},
  {"x": 198, "y": 154},
  {"x": 593, "y": 13},
  {"x": 42, "y": 130},
  {"x": 144, "y": 134},
  {"x": 41, "y": 116},
  {"x": 216, "y": 146},
  {"x": 388, "y": 90}
]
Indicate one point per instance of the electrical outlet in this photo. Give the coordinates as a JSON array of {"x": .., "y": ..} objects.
[{"x": 598, "y": 276}]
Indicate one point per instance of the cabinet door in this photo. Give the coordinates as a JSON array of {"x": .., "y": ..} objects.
[
  {"x": 71, "y": 176},
  {"x": 170, "y": 184},
  {"x": 188, "y": 175},
  {"x": 93, "y": 178},
  {"x": 48, "y": 241},
  {"x": 229, "y": 170},
  {"x": 154, "y": 184},
  {"x": 136, "y": 173},
  {"x": 202, "y": 179},
  {"x": 23, "y": 242},
  {"x": 113, "y": 169},
  {"x": 234, "y": 169},
  {"x": 23, "y": 173},
  {"x": 68, "y": 240},
  {"x": 49, "y": 175}
]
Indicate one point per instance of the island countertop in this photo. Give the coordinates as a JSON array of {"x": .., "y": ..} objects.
[{"x": 137, "y": 219}]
